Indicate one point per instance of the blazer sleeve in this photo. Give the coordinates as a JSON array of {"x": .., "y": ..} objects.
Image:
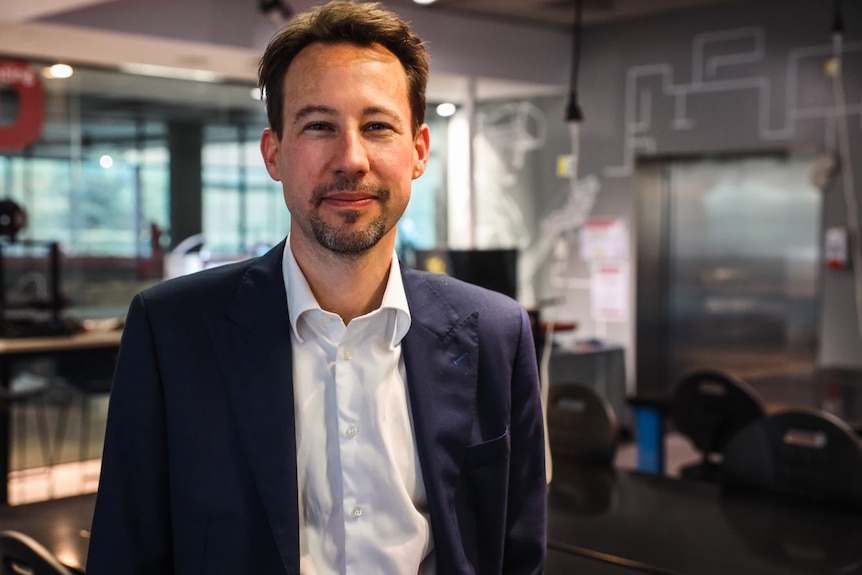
[
  {"x": 131, "y": 531},
  {"x": 526, "y": 519}
]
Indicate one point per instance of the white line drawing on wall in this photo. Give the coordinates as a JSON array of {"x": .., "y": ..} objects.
[
  {"x": 704, "y": 80},
  {"x": 506, "y": 134},
  {"x": 557, "y": 224},
  {"x": 713, "y": 63},
  {"x": 513, "y": 129}
]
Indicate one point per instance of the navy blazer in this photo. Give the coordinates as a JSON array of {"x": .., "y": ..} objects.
[{"x": 199, "y": 467}]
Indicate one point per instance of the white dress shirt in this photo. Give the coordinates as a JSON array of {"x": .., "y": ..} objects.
[{"x": 362, "y": 501}]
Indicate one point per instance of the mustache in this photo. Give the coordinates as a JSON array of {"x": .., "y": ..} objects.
[{"x": 343, "y": 184}]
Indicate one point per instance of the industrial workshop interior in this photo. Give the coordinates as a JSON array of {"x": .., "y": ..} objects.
[{"x": 668, "y": 187}]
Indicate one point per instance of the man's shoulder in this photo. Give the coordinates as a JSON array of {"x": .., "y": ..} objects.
[
  {"x": 203, "y": 283},
  {"x": 220, "y": 280}
]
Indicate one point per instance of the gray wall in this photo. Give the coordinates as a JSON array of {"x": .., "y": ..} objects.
[
  {"x": 737, "y": 78},
  {"x": 463, "y": 45},
  {"x": 734, "y": 79}
]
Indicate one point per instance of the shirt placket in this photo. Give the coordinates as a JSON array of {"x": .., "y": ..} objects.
[{"x": 352, "y": 418}]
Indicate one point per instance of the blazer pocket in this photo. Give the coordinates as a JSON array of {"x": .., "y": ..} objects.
[{"x": 487, "y": 452}]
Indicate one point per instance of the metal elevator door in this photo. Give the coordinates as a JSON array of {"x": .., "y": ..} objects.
[{"x": 728, "y": 267}]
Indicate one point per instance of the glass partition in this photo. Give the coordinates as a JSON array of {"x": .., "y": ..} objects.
[{"x": 99, "y": 179}]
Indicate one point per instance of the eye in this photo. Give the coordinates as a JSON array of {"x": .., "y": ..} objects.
[
  {"x": 378, "y": 127},
  {"x": 316, "y": 126}
]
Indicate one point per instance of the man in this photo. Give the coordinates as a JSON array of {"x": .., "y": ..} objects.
[{"x": 320, "y": 409}]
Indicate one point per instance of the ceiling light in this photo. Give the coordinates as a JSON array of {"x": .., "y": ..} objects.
[
  {"x": 424, "y": 1},
  {"x": 58, "y": 71},
  {"x": 446, "y": 109},
  {"x": 106, "y": 161},
  {"x": 169, "y": 72}
]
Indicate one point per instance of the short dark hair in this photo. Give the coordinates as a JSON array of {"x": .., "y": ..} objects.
[{"x": 337, "y": 22}]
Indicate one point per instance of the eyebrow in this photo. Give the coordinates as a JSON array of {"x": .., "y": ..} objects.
[
  {"x": 372, "y": 110},
  {"x": 307, "y": 111}
]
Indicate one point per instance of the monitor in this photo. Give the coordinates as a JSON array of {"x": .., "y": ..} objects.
[{"x": 495, "y": 269}]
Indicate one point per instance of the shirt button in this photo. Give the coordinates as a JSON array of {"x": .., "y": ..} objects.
[
  {"x": 352, "y": 431},
  {"x": 348, "y": 353},
  {"x": 357, "y": 512}
]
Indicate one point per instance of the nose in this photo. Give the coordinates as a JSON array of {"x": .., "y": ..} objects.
[{"x": 352, "y": 156}]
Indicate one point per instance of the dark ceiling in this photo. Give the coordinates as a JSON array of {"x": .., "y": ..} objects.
[
  {"x": 119, "y": 113},
  {"x": 561, "y": 13}
]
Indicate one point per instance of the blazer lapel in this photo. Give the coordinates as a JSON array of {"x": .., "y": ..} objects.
[
  {"x": 252, "y": 344},
  {"x": 441, "y": 360}
]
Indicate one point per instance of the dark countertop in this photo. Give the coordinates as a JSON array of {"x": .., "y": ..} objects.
[{"x": 688, "y": 527}]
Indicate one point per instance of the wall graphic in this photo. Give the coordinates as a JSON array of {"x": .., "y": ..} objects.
[
  {"x": 507, "y": 134},
  {"x": 25, "y": 127},
  {"x": 715, "y": 56},
  {"x": 743, "y": 88}
]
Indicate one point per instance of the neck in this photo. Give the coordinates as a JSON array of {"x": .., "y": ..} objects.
[{"x": 350, "y": 287}]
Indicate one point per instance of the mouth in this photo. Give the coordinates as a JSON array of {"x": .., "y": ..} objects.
[
  {"x": 348, "y": 200},
  {"x": 344, "y": 194}
]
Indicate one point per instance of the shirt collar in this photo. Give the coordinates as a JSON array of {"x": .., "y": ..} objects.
[{"x": 300, "y": 298}]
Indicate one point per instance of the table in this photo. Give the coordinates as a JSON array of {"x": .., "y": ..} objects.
[
  {"x": 834, "y": 390},
  {"x": 59, "y": 343},
  {"x": 90, "y": 349},
  {"x": 657, "y": 524},
  {"x": 61, "y": 525}
]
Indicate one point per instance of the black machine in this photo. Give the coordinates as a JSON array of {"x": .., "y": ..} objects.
[
  {"x": 38, "y": 313},
  {"x": 495, "y": 269}
]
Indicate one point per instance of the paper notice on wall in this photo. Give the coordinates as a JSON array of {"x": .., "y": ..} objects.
[
  {"x": 609, "y": 291},
  {"x": 604, "y": 239}
]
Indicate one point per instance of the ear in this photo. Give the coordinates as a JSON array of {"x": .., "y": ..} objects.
[
  {"x": 421, "y": 150},
  {"x": 269, "y": 148}
]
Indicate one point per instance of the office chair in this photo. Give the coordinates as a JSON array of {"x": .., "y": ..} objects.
[
  {"x": 709, "y": 407},
  {"x": 582, "y": 435},
  {"x": 582, "y": 426},
  {"x": 21, "y": 554},
  {"x": 799, "y": 452}
]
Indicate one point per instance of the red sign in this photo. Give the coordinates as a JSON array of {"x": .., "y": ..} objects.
[{"x": 27, "y": 127}]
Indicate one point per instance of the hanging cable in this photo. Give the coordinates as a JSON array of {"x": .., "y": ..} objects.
[
  {"x": 277, "y": 11},
  {"x": 573, "y": 109},
  {"x": 574, "y": 117}
]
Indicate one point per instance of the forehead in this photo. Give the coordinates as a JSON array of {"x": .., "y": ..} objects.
[{"x": 321, "y": 65}]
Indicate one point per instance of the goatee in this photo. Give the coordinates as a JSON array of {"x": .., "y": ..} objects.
[{"x": 349, "y": 240}]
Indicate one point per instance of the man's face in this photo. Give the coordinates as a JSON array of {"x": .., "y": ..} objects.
[{"x": 347, "y": 156}]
